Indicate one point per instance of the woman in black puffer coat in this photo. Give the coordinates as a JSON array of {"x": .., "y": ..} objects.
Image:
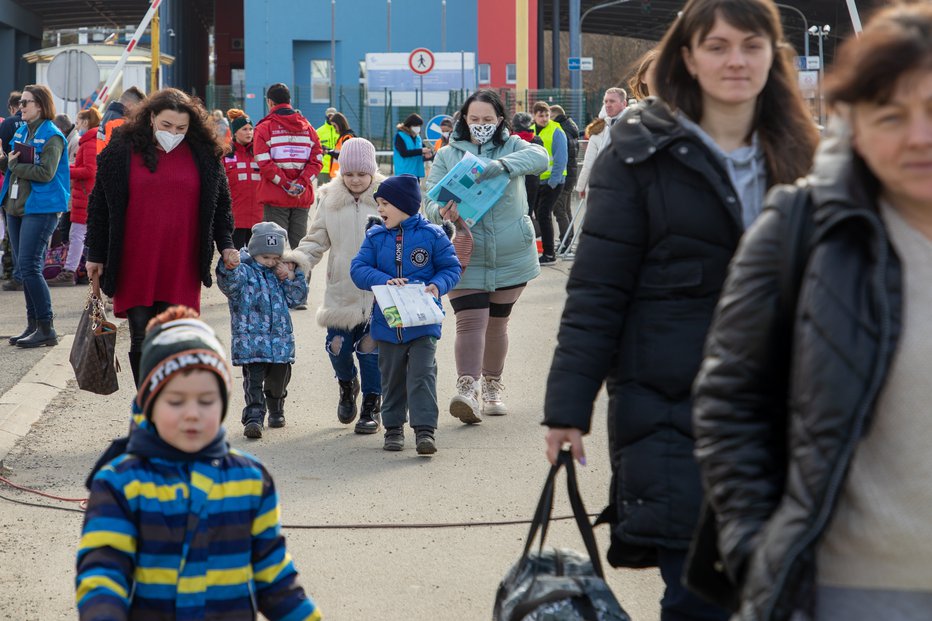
[
  {"x": 812, "y": 422},
  {"x": 668, "y": 202}
]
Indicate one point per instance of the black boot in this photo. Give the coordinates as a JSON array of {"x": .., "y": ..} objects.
[
  {"x": 276, "y": 411},
  {"x": 425, "y": 440},
  {"x": 44, "y": 335},
  {"x": 369, "y": 416},
  {"x": 31, "y": 326},
  {"x": 346, "y": 409}
]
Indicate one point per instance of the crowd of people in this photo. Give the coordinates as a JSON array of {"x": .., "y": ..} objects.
[{"x": 752, "y": 300}]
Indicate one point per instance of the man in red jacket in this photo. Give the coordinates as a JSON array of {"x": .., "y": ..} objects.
[{"x": 289, "y": 156}]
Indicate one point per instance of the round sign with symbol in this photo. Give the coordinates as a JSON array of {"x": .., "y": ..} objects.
[{"x": 421, "y": 60}]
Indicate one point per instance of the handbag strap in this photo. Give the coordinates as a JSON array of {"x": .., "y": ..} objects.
[{"x": 542, "y": 516}]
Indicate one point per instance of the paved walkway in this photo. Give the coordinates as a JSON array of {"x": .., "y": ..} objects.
[{"x": 325, "y": 474}]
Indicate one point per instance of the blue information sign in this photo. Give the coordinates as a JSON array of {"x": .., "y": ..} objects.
[{"x": 573, "y": 63}]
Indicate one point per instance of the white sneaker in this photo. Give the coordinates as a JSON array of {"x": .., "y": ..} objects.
[
  {"x": 465, "y": 404},
  {"x": 492, "y": 392}
]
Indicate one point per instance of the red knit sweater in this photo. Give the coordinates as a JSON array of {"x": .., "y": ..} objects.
[{"x": 160, "y": 260}]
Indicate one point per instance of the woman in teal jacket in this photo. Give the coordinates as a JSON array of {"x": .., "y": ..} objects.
[
  {"x": 33, "y": 195},
  {"x": 503, "y": 259}
]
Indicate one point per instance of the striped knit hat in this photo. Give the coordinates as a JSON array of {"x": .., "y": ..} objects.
[{"x": 177, "y": 346}]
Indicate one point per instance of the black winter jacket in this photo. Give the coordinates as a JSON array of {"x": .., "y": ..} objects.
[
  {"x": 774, "y": 440},
  {"x": 106, "y": 209},
  {"x": 663, "y": 222},
  {"x": 572, "y": 148}
]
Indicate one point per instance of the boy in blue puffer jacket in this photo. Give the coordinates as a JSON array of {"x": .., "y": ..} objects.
[
  {"x": 267, "y": 282},
  {"x": 406, "y": 248}
]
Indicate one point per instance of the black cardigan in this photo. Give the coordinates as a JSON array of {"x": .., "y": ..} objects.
[{"x": 106, "y": 209}]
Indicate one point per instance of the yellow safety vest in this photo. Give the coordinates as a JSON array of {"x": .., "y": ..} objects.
[
  {"x": 546, "y": 135},
  {"x": 327, "y": 134}
]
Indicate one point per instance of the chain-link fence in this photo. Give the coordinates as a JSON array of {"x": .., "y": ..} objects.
[{"x": 374, "y": 115}]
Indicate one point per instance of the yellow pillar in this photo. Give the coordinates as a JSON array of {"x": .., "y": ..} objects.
[
  {"x": 521, "y": 53},
  {"x": 156, "y": 60}
]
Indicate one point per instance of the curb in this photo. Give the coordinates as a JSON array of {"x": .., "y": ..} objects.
[{"x": 23, "y": 404}]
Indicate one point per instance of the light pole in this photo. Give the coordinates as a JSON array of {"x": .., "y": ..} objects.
[
  {"x": 333, "y": 50},
  {"x": 443, "y": 25},
  {"x": 388, "y": 26},
  {"x": 822, "y": 32},
  {"x": 805, "y": 25}
]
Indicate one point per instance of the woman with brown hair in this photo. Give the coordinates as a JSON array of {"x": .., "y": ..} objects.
[
  {"x": 160, "y": 204},
  {"x": 812, "y": 420},
  {"x": 83, "y": 172},
  {"x": 345, "y": 132},
  {"x": 639, "y": 85},
  {"x": 34, "y": 193},
  {"x": 668, "y": 202}
]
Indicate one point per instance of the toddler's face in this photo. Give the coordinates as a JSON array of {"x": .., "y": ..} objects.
[
  {"x": 357, "y": 182},
  {"x": 391, "y": 215},
  {"x": 268, "y": 260},
  {"x": 187, "y": 412}
]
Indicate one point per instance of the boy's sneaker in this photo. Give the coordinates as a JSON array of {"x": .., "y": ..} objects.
[
  {"x": 394, "y": 439},
  {"x": 65, "y": 278},
  {"x": 277, "y": 420},
  {"x": 346, "y": 409},
  {"x": 425, "y": 441},
  {"x": 253, "y": 430},
  {"x": 492, "y": 392},
  {"x": 276, "y": 411},
  {"x": 547, "y": 259},
  {"x": 465, "y": 403},
  {"x": 369, "y": 417}
]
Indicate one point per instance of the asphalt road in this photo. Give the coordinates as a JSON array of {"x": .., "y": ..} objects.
[{"x": 346, "y": 502}]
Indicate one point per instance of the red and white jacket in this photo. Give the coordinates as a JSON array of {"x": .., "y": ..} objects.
[
  {"x": 287, "y": 150},
  {"x": 243, "y": 177}
]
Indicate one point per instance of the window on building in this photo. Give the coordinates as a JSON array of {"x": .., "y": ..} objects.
[
  {"x": 320, "y": 81},
  {"x": 485, "y": 73},
  {"x": 511, "y": 73}
]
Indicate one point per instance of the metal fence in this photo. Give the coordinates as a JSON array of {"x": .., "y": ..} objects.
[{"x": 375, "y": 115}]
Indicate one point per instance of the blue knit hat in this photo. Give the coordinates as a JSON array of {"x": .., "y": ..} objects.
[{"x": 402, "y": 191}]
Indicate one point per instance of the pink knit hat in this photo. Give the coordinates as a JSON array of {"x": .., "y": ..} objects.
[{"x": 357, "y": 155}]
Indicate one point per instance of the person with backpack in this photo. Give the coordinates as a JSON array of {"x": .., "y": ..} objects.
[
  {"x": 669, "y": 200},
  {"x": 811, "y": 407},
  {"x": 562, "y": 211}
]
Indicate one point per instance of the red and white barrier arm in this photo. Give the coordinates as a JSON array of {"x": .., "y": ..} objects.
[{"x": 118, "y": 68}]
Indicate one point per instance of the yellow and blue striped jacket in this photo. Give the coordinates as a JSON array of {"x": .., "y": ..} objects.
[{"x": 186, "y": 540}]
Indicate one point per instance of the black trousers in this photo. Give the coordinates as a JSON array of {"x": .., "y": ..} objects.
[
  {"x": 547, "y": 198},
  {"x": 138, "y": 318},
  {"x": 265, "y": 384}
]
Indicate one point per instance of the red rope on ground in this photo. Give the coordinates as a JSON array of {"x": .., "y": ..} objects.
[{"x": 81, "y": 501}]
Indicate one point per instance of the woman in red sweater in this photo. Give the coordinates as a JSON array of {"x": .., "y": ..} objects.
[
  {"x": 160, "y": 204},
  {"x": 83, "y": 172}
]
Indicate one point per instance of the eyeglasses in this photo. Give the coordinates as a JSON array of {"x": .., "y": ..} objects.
[{"x": 25, "y": 102}]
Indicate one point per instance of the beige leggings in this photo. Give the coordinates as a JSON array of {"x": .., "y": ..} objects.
[{"x": 482, "y": 329}]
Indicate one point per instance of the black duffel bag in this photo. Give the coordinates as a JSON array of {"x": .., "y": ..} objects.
[{"x": 557, "y": 584}]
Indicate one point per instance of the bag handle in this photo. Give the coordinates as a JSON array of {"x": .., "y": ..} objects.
[{"x": 542, "y": 515}]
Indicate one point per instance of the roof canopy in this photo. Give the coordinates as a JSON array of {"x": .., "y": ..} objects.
[
  {"x": 649, "y": 19},
  {"x": 100, "y": 52},
  {"x": 66, "y": 14}
]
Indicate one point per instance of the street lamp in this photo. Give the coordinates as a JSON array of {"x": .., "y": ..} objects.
[{"x": 822, "y": 32}]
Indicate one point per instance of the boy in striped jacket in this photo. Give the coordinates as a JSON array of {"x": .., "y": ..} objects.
[{"x": 179, "y": 525}]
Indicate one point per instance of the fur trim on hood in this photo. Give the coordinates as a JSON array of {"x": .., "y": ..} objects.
[{"x": 337, "y": 190}]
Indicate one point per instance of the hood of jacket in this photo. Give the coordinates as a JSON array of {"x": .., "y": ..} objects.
[
  {"x": 648, "y": 128},
  {"x": 338, "y": 195},
  {"x": 292, "y": 256},
  {"x": 287, "y": 117}
]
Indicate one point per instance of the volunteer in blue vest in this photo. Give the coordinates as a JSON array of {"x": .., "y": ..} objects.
[
  {"x": 409, "y": 150},
  {"x": 552, "y": 179},
  {"x": 33, "y": 195}
]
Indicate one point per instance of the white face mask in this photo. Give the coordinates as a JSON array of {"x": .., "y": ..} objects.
[
  {"x": 415, "y": 129},
  {"x": 168, "y": 140},
  {"x": 481, "y": 134},
  {"x": 445, "y": 135}
]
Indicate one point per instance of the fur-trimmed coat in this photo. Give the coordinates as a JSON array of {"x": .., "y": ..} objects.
[
  {"x": 259, "y": 318},
  {"x": 339, "y": 226},
  {"x": 106, "y": 210}
]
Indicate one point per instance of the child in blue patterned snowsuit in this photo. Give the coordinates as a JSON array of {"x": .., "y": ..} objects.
[{"x": 267, "y": 282}]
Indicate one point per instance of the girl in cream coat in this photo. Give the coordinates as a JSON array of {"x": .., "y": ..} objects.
[{"x": 343, "y": 207}]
